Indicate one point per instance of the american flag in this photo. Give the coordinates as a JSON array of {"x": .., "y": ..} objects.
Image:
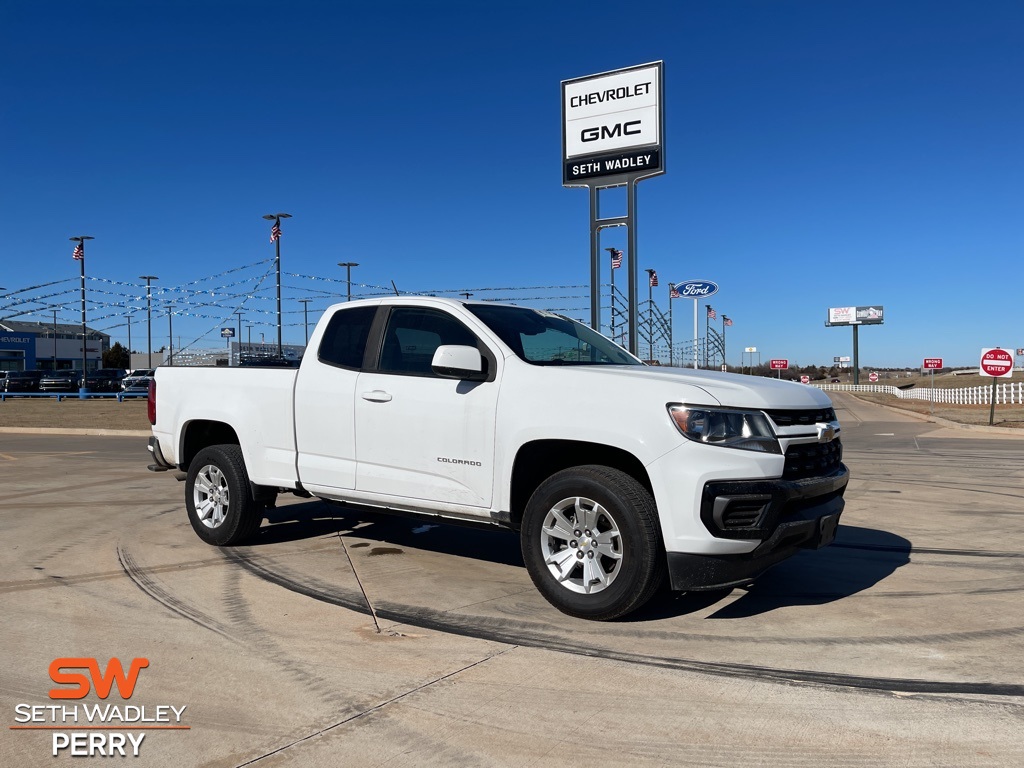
[
  {"x": 654, "y": 279},
  {"x": 672, "y": 292},
  {"x": 726, "y": 320},
  {"x": 79, "y": 253},
  {"x": 275, "y": 231},
  {"x": 616, "y": 258},
  {"x": 712, "y": 314}
]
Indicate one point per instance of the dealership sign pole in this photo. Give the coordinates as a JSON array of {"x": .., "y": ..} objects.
[
  {"x": 696, "y": 290},
  {"x": 613, "y": 133},
  {"x": 997, "y": 363}
]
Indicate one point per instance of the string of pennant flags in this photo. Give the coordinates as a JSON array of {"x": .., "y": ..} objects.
[{"x": 110, "y": 302}]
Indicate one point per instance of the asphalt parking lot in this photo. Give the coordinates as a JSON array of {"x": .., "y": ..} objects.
[{"x": 350, "y": 638}]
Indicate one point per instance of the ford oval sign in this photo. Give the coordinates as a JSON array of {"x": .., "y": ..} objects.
[{"x": 696, "y": 289}]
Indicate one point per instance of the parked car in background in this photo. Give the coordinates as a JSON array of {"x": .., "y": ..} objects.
[
  {"x": 103, "y": 380},
  {"x": 22, "y": 381},
  {"x": 60, "y": 381},
  {"x": 137, "y": 381}
]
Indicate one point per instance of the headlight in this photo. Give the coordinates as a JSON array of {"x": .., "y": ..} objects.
[{"x": 746, "y": 430}]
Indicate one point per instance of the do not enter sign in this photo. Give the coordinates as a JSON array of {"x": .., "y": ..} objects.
[
  {"x": 873, "y": 377},
  {"x": 996, "y": 362}
]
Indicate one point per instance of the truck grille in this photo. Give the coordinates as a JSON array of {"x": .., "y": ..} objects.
[
  {"x": 801, "y": 418},
  {"x": 812, "y": 459}
]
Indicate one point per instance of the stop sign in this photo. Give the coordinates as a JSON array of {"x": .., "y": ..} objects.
[
  {"x": 873, "y": 377},
  {"x": 805, "y": 379},
  {"x": 996, "y": 362}
]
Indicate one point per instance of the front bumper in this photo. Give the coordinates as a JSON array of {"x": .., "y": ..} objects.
[{"x": 784, "y": 515}]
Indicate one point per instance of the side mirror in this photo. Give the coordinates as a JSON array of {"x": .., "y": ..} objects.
[{"x": 458, "y": 362}]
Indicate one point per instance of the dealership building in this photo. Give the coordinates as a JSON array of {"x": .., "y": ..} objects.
[{"x": 27, "y": 346}]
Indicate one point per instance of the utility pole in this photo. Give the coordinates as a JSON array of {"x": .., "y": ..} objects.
[
  {"x": 170, "y": 333},
  {"x": 55, "y": 339},
  {"x": 239, "y": 313},
  {"x": 149, "y": 316},
  {"x": 348, "y": 277},
  {"x": 305, "y": 317},
  {"x": 129, "y": 319}
]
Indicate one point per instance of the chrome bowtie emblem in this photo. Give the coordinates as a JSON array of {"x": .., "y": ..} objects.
[{"x": 826, "y": 433}]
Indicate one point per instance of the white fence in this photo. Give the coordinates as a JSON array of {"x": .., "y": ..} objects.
[{"x": 1007, "y": 393}]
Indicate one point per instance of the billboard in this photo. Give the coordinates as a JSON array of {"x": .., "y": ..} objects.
[
  {"x": 855, "y": 316},
  {"x": 613, "y": 126}
]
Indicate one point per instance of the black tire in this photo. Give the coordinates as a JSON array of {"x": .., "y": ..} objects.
[
  {"x": 218, "y": 483},
  {"x": 624, "y": 546}
]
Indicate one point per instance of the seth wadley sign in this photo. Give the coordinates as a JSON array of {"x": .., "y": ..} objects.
[{"x": 612, "y": 124}]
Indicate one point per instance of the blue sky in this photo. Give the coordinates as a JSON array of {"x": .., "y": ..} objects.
[{"x": 819, "y": 154}]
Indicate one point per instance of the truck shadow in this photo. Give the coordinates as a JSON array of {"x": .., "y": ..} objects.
[
  {"x": 858, "y": 559},
  {"x": 315, "y": 519}
]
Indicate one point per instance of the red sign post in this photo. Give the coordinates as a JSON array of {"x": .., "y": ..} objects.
[
  {"x": 932, "y": 364},
  {"x": 997, "y": 363},
  {"x": 778, "y": 365}
]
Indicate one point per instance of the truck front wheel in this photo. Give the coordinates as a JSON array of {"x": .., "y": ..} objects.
[
  {"x": 220, "y": 506},
  {"x": 591, "y": 542}
]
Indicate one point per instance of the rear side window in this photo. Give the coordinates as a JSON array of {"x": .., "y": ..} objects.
[{"x": 344, "y": 341}]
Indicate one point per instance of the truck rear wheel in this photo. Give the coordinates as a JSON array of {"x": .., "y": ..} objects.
[
  {"x": 591, "y": 542},
  {"x": 220, "y": 505}
]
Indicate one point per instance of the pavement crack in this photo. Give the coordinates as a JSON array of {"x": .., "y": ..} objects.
[{"x": 378, "y": 707}]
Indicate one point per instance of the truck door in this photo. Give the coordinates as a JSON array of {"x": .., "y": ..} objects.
[
  {"x": 324, "y": 401},
  {"x": 418, "y": 435}
]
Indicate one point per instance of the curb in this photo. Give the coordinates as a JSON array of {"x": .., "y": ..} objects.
[{"x": 75, "y": 431}]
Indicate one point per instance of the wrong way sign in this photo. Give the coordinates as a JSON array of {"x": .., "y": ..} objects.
[
  {"x": 996, "y": 362},
  {"x": 779, "y": 364}
]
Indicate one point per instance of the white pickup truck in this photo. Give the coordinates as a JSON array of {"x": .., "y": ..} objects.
[{"x": 616, "y": 474}]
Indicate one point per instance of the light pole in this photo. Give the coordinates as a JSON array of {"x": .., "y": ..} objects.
[
  {"x": 149, "y": 316},
  {"x": 652, "y": 280},
  {"x": 170, "y": 333},
  {"x": 467, "y": 294},
  {"x": 248, "y": 344},
  {"x": 129, "y": 319},
  {"x": 79, "y": 255},
  {"x": 275, "y": 237},
  {"x": 239, "y": 313},
  {"x": 55, "y": 339},
  {"x": 305, "y": 316},
  {"x": 348, "y": 277}
]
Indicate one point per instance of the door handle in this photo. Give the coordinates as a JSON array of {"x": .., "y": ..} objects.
[{"x": 377, "y": 396}]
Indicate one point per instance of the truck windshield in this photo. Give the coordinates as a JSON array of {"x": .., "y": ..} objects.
[{"x": 544, "y": 338}]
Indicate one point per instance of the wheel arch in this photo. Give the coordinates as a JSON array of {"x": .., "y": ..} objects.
[
  {"x": 537, "y": 460},
  {"x": 202, "y": 433}
]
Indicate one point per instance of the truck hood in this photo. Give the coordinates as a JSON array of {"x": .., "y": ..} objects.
[{"x": 728, "y": 389}]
